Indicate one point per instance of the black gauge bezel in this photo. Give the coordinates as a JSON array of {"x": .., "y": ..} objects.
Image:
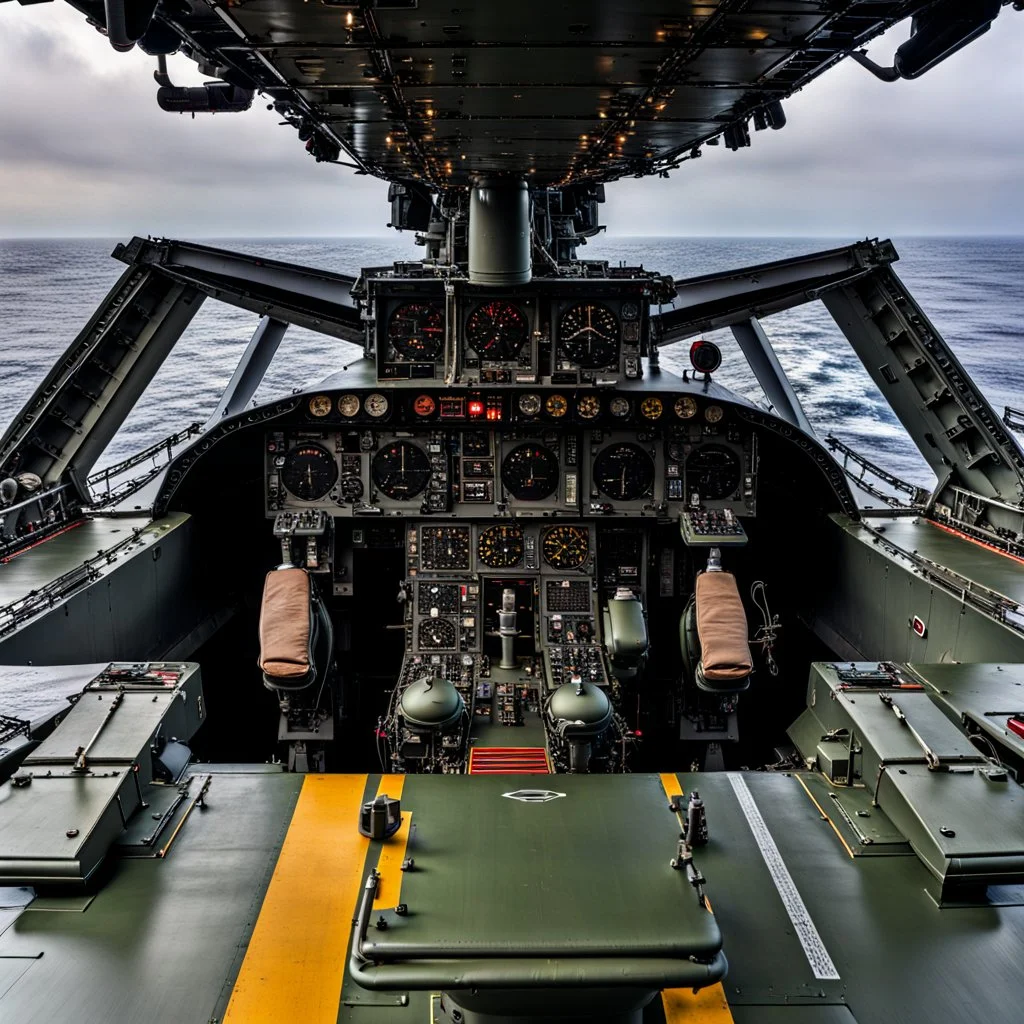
[
  {"x": 509, "y": 561},
  {"x": 578, "y": 557},
  {"x": 524, "y": 490},
  {"x": 408, "y": 349},
  {"x": 638, "y": 471},
  {"x": 328, "y": 462},
  {"x": 572, "y": 348},
  {"x": 420, "y": 466},
  {"x": 499, "y": 349},
  {"x": 693, "y": 470}
]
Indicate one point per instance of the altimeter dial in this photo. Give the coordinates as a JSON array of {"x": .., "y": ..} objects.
[
  {"x": 530, "y": 472},
  {"x": 624, "y": 471},
  {"x": 588, "y": 335},
  {"x": 416, "y": 331},
  {"x": 497, "y": 329},
  {"x": 500, "y": 546},
  {"x": 309, "y": 472},
  {"x": 566, "y": 547},
  {"x": 400, "y": 470}
]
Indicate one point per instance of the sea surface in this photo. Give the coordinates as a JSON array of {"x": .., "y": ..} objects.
[{"x": 971, "y": 288}]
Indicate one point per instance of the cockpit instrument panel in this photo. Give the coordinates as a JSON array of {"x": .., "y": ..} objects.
[
  {"x": 588, "y": 337},
  {"x": 566, "y": 546},
  {"x": 415, "y": 332},
  {"x": 624, "y": 472},
  {"x": 309, "y": 472},
  {"x": 501, "y": 546},
  {"x": 712, "y": 472},
  {"x": 444, "y": 547},
  {"x": 400, "y": 470},
  {"x": 530, "y": 472},
  {"x": 497, "y": 330}
]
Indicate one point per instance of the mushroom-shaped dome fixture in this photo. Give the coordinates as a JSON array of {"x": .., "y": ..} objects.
[
  {"x": 584, "y": 707},
  {"x": 431, "y": 703}
]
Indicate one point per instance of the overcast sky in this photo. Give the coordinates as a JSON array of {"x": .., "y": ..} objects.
[{"x": 84, "y": 150}]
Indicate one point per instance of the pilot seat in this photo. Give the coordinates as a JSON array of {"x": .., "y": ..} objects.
[
  {"x": 297, "y": 662},
  {"x": 713, "y": 633}
]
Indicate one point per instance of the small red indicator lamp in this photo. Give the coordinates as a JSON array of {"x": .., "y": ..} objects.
[
  {"x": 705, "y": 356},
  {"x": 476, "y": 407},
  {"x": 918, "y": 626},
  {"x": 1016, "y": 725}
]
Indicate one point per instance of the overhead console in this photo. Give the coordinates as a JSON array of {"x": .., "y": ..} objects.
[{"x": 425, "y": 326}]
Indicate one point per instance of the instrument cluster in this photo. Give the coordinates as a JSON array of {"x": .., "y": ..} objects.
[
  {"x": 423, "y": 332},
  {"x": 515, "y": 472},
  {"x": 509, "y": 546}
]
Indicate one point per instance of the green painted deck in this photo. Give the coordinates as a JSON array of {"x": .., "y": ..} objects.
[
  {"x": 60, "y": 554},
  {"x": 1000, "y": 573},
  {"x": 163, "y": 939}
]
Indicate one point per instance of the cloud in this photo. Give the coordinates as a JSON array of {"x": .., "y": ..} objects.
[{"x": 87, "y": 151}]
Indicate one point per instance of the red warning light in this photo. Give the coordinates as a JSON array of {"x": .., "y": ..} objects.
[{"x": 476, "y": 407}]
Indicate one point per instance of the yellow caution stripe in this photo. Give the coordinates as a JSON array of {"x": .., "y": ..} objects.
[{"x": 295, "y": 964}]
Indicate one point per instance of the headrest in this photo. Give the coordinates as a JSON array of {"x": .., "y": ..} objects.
[
  {"x": 722, "y": 628},
  {"x": 285, "y": 624}
]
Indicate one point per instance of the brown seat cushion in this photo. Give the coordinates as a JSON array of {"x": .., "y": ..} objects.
[
  {"x": 722, "y": 628},
  {"x": 285, "y": 624}
]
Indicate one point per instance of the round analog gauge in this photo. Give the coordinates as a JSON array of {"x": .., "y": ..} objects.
[
  {"x": 630, "y": 310},
  {"x": 309, "y": 472},
  {"x": 566, "y": 547},
  {"x": 588, "y": 335},
  {"x": 351, "y": 488},
  {"x": 588, "y": 406},
  {"x": 497, "y": 329},
  {"x": 619, "y": 406},
  {"x": 530, "y": 472},
  {"x": 624, "y": 472},
  {"x": 501, "y": 546},
  {"x": 416, "y": 331},
  {"x": 320, "y": 405},
  {"x": 652, "y": 408},
  {"x": 556, "y": 405},
  {"x": 714, "y": 413},
  {"x": 437, "y": 635},
  {"x": 400, "y": 470},
  {"x": 713, "y": 472},
  {"x": 424, "y": 405},
  {"x": 376, "y": 405},
  {"x": 529, "y": 404},
  {"x": 685, "y": 407},
  {"x": 348, "y": 405},
  {"x": 677, "y": 450}
]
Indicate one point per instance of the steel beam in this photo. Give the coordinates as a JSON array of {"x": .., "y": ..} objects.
[
  {"x": 943, "y": 411},
  {"x": 720, "y": 300},
  {"x": 316, "y": 299},
  {"x": 761, "y": 357},
  {"x": 251, "y": 369}
]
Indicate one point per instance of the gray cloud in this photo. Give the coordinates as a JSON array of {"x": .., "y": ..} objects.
[{"x": 85, "y": 150}]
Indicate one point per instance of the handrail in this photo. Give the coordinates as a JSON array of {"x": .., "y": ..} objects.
[
  {"x": 166, "y": 446},
  {"x": 918, "y": 495},
  {"x": 24, "y": 608}
]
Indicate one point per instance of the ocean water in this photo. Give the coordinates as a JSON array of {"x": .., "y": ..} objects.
[{"x": 971, "y": 288}]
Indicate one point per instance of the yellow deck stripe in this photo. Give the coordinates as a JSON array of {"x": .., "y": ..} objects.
[
  {"x": 821, "y": 811},
  {"x": 683, "y": 1005},
  {"x": 708, "y": 1006},
  {"x": 295, "y": 963},
  {"x": 670, "y": 784}
]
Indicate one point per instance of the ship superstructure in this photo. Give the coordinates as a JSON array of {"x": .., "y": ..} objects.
[{"x": 430, "y": 689}]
